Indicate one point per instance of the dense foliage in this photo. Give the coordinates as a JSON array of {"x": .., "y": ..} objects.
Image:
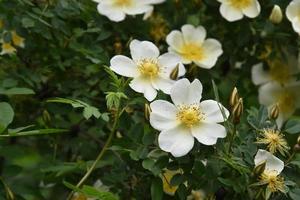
[{"x": 61, "y": 105}]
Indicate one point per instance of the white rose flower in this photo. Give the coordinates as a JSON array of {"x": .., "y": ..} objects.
[
  {"x": 149, "y": 70},
  {"x": 190, "y": 44},
  {"x": 286, "y": 97},
  {"x": 233, "y": 10},
  {"x": 271, "y": 174},
  {"x": 293, "y": 14},
  {"x": 187, "y": 118},
  {"x": 116, "y": 10}
]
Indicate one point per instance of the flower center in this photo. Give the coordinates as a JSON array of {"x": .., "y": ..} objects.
[
  {"x": 192, "y": 52},
  {"x": 274, "y": 141},
  {"x": 190, "y": 115},
  {"x": 275, "y": 182},
  {"x": 8, "y": 48},
  {"x": 240, "y": 4},
  {"x": 122, "y": 2},
  {"x": 149, "y": 68},
  {"x": 287, "y": 102},
  {"x": 279, "y": 72}
]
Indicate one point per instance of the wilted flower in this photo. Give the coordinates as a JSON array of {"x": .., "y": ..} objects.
[
  {"x": 166, "y": 179},
  {"x": 196, "y": 195},
  {"x": 233, "y": 10},
  {"x": 190, "y": 44},
  {"x": 271, "y": 175},
  {"x": 274, "y": 140},
  {"x": 286, "y": 97},
  {"x": 17, "y": 40},
  {"x": 149, "y": 70},
  {"x": 116, "y": 10},
  {"x": 7, "y": 48},
  {"x": 187, "y": 118},
  {"x": 292, "y": 13}
]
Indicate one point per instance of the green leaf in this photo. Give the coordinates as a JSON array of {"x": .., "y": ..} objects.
[
  {"x": 17, "y": 91},
  {"x": 6, "y": 115},
  {"x": 36, "y": 132},
  {"x": 27, "y": 22},
  {"x": 294, "y": 194},
  {"x": 156, "y": 189},
  {"x": 292, "y": 126}
]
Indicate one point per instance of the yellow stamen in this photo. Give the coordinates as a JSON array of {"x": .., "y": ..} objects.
[
  {"x": 287, "y": 102},
  {"x": 192, "y": 52},
  {"x": 274, "y": 140},
  {"x": 122, "y": 2},
  {"x": 274, "y": 182},
  {"x": 149, "y": 68},
  {"x": 190, "y": 115},
  {"x": 279, "y": 71},
  {"x": 240, "y": 4}
]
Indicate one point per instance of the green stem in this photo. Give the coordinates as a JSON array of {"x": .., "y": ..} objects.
[
  {"x": 231, "y": 139},
  {"x": 99, "y": 157},
  {"x": 290, "y": 158}
]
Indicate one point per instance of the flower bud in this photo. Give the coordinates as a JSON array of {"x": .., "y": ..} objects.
[
  {"x": 234, "y": 97},
  {"x": 118, "y": 47},
  {"x": 274, "y": 113},
  {"x": 147, "y": 111},
  {"x": 297, "y": 148},
  {"x": 174, "y": 73},
  {"x": 276, "y": 15},
  {"x": 298, "y": 140},
  {"x": 238, "y": 111},
  {"x": 259, "y": 169}
]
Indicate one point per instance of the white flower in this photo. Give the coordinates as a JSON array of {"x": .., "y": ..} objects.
[
  {"x": 187, "y": 118},
  {"x": 149, "y": 70},
  {"x": 293, "y": 14},
  {"x": 190, "y": 44},
  {"x": 116, "y": 10},
  {"x": 272, "y": 163},
  {"x": 7, "y": 48},
  {"x": 286, "y": 97},
  {"x": 233, "y": 10},
  {"x": 278, "y": 71}
]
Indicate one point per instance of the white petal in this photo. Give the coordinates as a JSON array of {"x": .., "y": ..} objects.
[
  {"x": 296, "y": 25},
  {"x": 178, "y": 141},
  {"x": 154, "y": 1},
  {"x": 212, "y": 50},
  {"x": 259, "y": 75},
  {"x": 124, "y": 66},
  {"x": 230, "y": 13},
  {"x": 213, "y": 113},
  {"x": 109, "y": 11},
  {"x": 253, "y": 10},
  {"x": 208, "y": 133},
  {"x": 143, "y": 85},
  {"x": 268, "y": 93},
  {"x": 136, "y": 8},
  {"x": 184, "y": 92},
  {"x": 163, "y": 115},
  {"x": 143, "y": 49},
  {"x": 163, "y": 84},
  {"x": 175, "y": 40},
  {"x": 168, "y": 62},
  {"x": 292, "y": 10},
  {"x": 193, "y": 34},
  {"x": 272, "y": 162}
]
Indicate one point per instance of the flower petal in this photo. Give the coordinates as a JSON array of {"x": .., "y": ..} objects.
[
  {"x": 175, "y": 40},
  {"x": 178, "y": 141},
  {"x": 184, "y": 92},
  {"x": 212, "y": 111},
  {"x": 124, "y": 66},
  {"x": 112, "y": 13},
  {"x": 259, "y": 75},
  {"x": 212, "y": 50},
  {"x": 193, "y": 34},
  {"x": 168, "y": 62},
  {"x": 142, "y": 85},
  {"x": 143, "y": 50},
  {"x": 163, "y": 115},
  {"x": 272, "y": 162},
  {"x": 163, "y": 84},
  {"x": 230, "y": 13},
  {"x": 208, "y": 133},
  {"x": 252, "y": 10}
]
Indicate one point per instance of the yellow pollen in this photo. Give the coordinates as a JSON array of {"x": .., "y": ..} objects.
[
  {"x": 274, "y": 140},
  {"x": 192, "y": 52},
  {"x": 122, "y": 2},
  {"x": 279, "y": 71},
  {"x": 190, "y": 115},
  {"x": 149, "y": 68},
  {"x": 7, "y": 48},
  {"x": 287, "y": 102},
  {"x": 240, "y": 4},
  {"x": 274, "y": 182}
]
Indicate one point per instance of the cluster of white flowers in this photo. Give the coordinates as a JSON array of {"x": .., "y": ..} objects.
[{"x": 187, "y": 118}]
